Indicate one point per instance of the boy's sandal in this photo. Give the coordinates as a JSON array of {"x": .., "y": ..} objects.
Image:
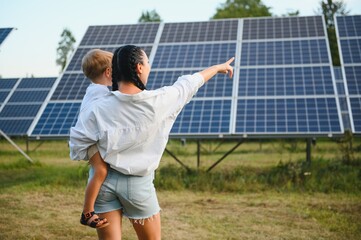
[{"x": 92, "y": 220}]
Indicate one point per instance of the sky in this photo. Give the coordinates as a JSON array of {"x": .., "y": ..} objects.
[{"x": 30, "y": 50}]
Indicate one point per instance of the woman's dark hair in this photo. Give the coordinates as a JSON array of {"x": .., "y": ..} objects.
[{"x": 125, "y": 60}]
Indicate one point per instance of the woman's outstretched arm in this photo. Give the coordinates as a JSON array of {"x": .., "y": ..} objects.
[{"x": 220, "y": 68}]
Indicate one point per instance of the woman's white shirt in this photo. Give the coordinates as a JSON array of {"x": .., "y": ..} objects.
[{"x": 132, "y": 131}]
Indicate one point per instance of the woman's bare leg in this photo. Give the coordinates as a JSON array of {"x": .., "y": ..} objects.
[
  {"x": 114, "y": 229},
  {"x": 150, "y": 230}
]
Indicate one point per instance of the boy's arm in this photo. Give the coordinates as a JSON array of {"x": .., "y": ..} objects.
[{"x": 79, "y": 143}]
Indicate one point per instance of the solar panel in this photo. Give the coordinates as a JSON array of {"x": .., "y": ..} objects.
[
  {"x": 283, "y": 28},
  {"x": 283, "y": 77},
  {"x": 287, "y": 115},
  {"x": 23, "y": 103},
  {"x": 212, "y": 31},
  {"x": 4, "y": 32},
  {"x": 120, "y": 35},
  {"x": 312, "y": 51},
  {"x": 348, "y": 29},
  {"x": 204, "y": 117},
  {"x": 192, "y": 55},
  {"x": 286, "y": 84}
]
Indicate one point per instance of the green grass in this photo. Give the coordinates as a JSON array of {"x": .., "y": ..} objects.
[{"x": 264, "y": 190}]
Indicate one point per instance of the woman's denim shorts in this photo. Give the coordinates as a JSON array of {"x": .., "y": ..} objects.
[{"x": 134, "y": 195}]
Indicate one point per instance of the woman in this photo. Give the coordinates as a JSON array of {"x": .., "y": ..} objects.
[{"x": 132, "y": 125}]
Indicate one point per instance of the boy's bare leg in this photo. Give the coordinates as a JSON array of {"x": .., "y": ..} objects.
[{"x": 100, "y": 172}]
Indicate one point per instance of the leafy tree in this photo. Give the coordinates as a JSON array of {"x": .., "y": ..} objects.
[
  {"x": 65, "y": 48},
  {"x": 242, "y": 8},
  {"x": 149, "y": 16},
  {"x": 291, "y": 14},
  {"x": 329, "y": 9}
]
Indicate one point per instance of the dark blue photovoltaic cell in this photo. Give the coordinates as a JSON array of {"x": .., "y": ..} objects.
[
  {"x": 220, "y": 30},
  {"x": 314, "y": 115},
  {"x": 204, "y": 117},
  {"x": 75, "y": 63},
  {"x": 284, "y": 52},
  {"x": 353, "y": 76},
  {"x": 15, "y": 127},
  {"x": 3, "y": 95},
  {"x": 351, "y": 50},
  {"x": 36, "y": 83},
  {"x": 28, "y": 110},
  {"x": 285, "y": 81},
  {"x": 356, "y": 112},
  {"x": 193, "y": 56},
  {"x": 285, "y": 27},
  {"x": 28, "y": 96},
  {"x": 220, "y": 86},
  {"x": 71, "y": 87},
  {"x": 4, "y": 32},
  {"x": 120, "y": 34},
  {"x": 57, "y": 119},
  {"x": 7, "y": 83},
  {"x": 349, "y": 26}
]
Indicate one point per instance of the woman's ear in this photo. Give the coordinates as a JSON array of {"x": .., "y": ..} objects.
[{"x": 139, "y": 68}]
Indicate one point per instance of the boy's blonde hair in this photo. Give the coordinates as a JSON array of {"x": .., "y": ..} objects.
[{"x": 95, "y": 62}]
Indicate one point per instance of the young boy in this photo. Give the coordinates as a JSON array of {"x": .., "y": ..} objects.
[{"x": 96, "y": 65}]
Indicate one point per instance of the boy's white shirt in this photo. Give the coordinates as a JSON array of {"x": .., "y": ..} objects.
[
  {"x": 131, "y": 131},
  {"x": 92, "y": 94}
]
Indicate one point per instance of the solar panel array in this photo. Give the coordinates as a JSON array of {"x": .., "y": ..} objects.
[
  {"x": 62, "y": 109},
  {"x": 349, "y": 39},
  {"x": 283, "y": 82},
  {"x": 22, "y": 102},
  {"x": 4, "y": 32}
]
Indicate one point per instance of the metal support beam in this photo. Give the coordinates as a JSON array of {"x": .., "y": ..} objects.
[
  {"x": 16, "y": 146},
  {"x": 179, "y": 161},
  {"x": 224, "y": 156},
  {"x": 212, "y": 150}
]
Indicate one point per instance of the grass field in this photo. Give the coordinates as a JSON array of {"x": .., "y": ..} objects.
[{"x": 264, "y": 190}]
